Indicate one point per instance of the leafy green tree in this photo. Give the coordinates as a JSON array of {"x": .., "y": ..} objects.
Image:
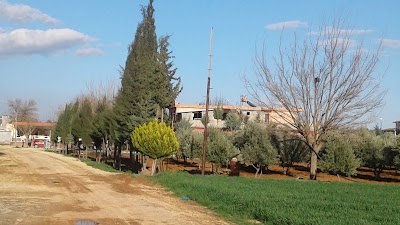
[
  {"x": 220, "y": 149},
  {"x": 290, "y": 149},
  {"x": 339, "y": 156},
  {"x": 157, "y": 140},
  {"x": 254, "y": 143},
  {"x": 63, "y": 126},
  {"x": 397, "y": 162},
  {"x": 82, "y": 124},
  {"x": 196, "y": 148},
  {"x": 184, "y": 135},
  {"x": 233, "y": 121},
  {"x": 103, "y": 126},
  {"x": 218, "y": 113},
  {"x": 375, "y": 150}
]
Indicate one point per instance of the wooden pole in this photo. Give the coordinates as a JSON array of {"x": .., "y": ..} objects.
[{"x": 203, "y": 161}]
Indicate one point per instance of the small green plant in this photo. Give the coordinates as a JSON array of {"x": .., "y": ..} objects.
[{"x": 100, "y": 166}]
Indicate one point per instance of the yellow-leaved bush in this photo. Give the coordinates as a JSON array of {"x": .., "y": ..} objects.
[{"x": 154, "y": 139}]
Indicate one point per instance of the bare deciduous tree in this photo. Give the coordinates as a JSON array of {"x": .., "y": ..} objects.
[
  {"x": 24, "y": 111},
  {"x": 324, "y": 82}
]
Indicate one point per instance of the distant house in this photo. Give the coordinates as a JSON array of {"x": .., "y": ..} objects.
[
  {"x": 5, "y": 130},
  {"x": 397, "y": 127},
  {"x": 194, "y": 113}
]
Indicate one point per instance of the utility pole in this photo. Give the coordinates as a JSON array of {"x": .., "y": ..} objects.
[{"x": 203, "y": 161}]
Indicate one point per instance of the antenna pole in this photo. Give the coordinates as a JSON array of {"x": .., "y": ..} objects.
[{"x": 203, "y": 161}]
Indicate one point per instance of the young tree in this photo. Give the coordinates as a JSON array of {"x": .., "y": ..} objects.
[
  {"x": 324, "y": 82},
  {"x": 233, "y": 121},
  {"x": 184, "y": 135},
  {"x": 338, "y": 155},
  {"x": 157, "y": 140},
  {"x": 254, "y": 143},
  {"x": 375, "y": 150},
  {"x": 103, "y": 126},
  {"x": 64, "y": 125},
  {"x": 290, "y": 148},
  {"x": 82, "y": 124},
  {"x": 220, "y": 148}
]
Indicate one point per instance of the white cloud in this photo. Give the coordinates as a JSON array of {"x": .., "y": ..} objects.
[
  {"x": 89, "y": 51},
  {"x": 390, "y": 43},
  {"x": 286, "y": 25},
  {"x": 24, "y": 14},
  {"x": 25, "y": 42}
]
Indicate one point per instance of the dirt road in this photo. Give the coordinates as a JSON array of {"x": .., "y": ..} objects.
[{"x": 39, "y": 187}]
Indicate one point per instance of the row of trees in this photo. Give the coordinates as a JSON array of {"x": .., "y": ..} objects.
[
  {"x": 324, "y": 82},
  {"x": 261, "y": 146},
  {"x": 148, "y": 87}
]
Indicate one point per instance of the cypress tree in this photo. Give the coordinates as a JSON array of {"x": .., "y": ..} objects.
[
  {"x": 148, "y": 82},
  {"x": 135, "y": 102}
]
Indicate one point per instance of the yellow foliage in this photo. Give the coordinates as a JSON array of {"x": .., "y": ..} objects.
[{"x": 155, "y": 139}]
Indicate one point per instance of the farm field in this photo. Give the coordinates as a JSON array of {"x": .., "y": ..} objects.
[
  {"x": 270, "y": 201},
  {"x": 298, "y": 171}
]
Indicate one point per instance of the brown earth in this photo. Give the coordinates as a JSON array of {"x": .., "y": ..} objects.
[
  {"x": 298, "y": 171},
  {"x": 39, "y": 187}
]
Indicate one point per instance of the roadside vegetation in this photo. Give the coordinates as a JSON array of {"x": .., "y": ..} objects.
[
  {"x": 245, "y": 201},
  {"x": 100, "y": 166}
]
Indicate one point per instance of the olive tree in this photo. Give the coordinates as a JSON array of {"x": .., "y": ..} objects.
[
  {"x": 255, "y": 144},
  {"x": 339, "y": 156},
  {"x": 324, "y": 81}
]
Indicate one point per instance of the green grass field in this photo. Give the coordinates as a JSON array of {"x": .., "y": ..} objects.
[{"x": 241, "y": 200}]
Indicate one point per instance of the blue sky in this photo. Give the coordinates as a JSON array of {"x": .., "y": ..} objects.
[{"x": 51, "y": 50}]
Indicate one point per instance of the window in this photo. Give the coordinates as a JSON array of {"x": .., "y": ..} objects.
[
  {"x": 248, "y": 113},
  {"x": 197, "y": 115},
  {"x": 178, "y": 117},
  {"x": 266, "y": 118},
  {"x": 224, "y": 116}
]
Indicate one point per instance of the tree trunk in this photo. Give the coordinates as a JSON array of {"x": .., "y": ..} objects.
[
  {"x": 153, "y": 167},
  {"x": 119, "y": 157},
  {"x": 144, "y": 167},
  {"x": 115, "y": 156},
  {"x": 313, "y": 166},
  {"x": 130, "y": 157}
]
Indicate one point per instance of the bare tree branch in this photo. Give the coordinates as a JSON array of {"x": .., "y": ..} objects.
[{"x": 325, "y": 82}]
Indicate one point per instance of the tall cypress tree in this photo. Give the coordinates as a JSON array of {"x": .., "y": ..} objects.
[
  {"x": 148, "y": 81},
  {"x": 169, "y": 84},
  {"x": 135, "y": 102}
]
